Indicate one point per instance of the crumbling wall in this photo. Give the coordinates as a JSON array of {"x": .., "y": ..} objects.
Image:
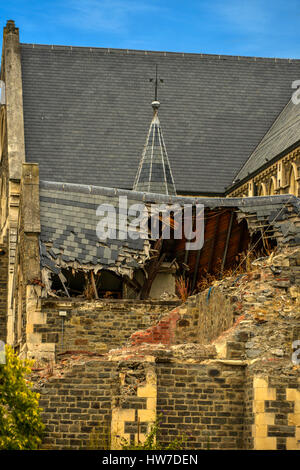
[
  {"x": 240, "y": 391},
  {"x": 134, "y": 403},
  {"x": 91, "y": 402},
  {"x": 202, "y": 318},
  {"x": 97, "y": 325}
]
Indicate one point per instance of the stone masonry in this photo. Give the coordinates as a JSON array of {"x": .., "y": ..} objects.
[
  {"x": 240, "y": 390},
  {"x": 97, "y": 325}
]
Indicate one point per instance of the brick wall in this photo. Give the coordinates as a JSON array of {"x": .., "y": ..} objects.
[
  {"x": 211, "y": 404},
  {"x": 286, "y": 409},
  {"x": 203, "y": 401},
  {"x": 249, "y": 414},
  {"x": 202, "y": 318},
  {"x": 77, "y": 405},
  {"x": 276, "y": 418},
  {"x": 99, "y": 325}
]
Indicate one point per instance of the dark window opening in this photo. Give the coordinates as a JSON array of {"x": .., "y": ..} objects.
[{"x": 86, "y": 284}]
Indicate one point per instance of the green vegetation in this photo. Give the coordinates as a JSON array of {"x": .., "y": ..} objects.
[
  {"x": 101, "y": 440},
  {"x": 152, "y": 441},
  {"x": 20, "y": 422}
]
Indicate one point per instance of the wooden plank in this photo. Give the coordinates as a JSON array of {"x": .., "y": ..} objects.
[
  {"x": 94, "y": 285},
  {"x": 152, "y": 269},
  {"x": 227, "y": 242},
  {"x": 213, "y": 244}
]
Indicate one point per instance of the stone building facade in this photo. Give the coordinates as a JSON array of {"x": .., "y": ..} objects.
[
  {"x": 280, "y": 177},
  {"x": 114, "y": 347}
]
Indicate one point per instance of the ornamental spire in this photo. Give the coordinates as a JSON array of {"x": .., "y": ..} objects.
[{"x": 154, "y": 174}]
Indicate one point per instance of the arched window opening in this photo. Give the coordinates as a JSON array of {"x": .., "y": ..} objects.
[
  {"x": 272, "y": 187},
  {"x": 262, "y": 190},
  {"x": 292, "y": 181}
]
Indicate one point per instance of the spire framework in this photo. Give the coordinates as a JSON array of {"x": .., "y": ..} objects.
[{"x": 154, "y": 174}]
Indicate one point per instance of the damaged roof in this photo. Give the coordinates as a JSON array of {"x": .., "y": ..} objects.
[
  {"x": 86, "y": 112},
  {"x": 69, "y": 220}
]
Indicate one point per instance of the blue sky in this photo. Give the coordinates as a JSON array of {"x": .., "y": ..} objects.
[{"x": 254, "y": 27}]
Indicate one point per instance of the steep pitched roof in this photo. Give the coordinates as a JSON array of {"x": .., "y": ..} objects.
[
  {"x": 282, "y": 135},
  {"x": 154, "y": 174},
  {"x": 86, "y": 112}
]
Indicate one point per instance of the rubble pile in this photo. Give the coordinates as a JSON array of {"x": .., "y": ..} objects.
[{"x": 266, "y": 304}]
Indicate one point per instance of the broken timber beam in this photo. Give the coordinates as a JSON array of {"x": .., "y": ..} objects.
[{"x": 227, "y": 241}]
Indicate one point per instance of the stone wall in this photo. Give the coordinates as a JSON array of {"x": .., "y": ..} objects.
[
  {"x": 93, "y": 399},
  {"x": 3, "y": 290},
  {"x": 239, "y": 391},
  {"x": 202, "y": 318},
  {"x": 202, "y": 402},
  {"x": 249, "y": 412},
  {"x": 93, "y": 402},
  {"x": 77, "y": 405},
  {"x": 96, "y": 325},
  {"x": 277, "y": 178},
  {"x": 275, "y": 410}
]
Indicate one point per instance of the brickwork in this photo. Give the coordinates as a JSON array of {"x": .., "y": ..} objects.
[
  {"x": 249, "y": 414},
  {"x": 99, "y": 325},
  {"x": 134, "y": 406},
  {"x": 200, "y": 319},
  {"x": 212, "y": 404},
  {"x": 205, "y": 402},
  {"x": 163, "y": 332},
  {"x": 272, "y": 411},
  {"x": 204, "y": 317},
  {"x": 281, "y": 410},
  {"x": 78, "y": 404}
]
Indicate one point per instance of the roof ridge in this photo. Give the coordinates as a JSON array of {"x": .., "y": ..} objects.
[
  {"x": 201, "y": 55},
  {"x": 154, "y": 197}
]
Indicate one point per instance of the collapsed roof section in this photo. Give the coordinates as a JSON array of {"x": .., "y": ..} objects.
[
  {"x": 69, "y": 222},
  {"x": 277, "y": 214}
]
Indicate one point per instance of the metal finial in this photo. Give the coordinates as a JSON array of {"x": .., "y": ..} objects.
[
  {"x": 156, "y": 103},
  {"x": 156, "y": 84}
]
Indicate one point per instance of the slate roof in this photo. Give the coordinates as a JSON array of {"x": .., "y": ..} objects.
[
  {"x": 69, "y": 219},
  {"x": 86, "y": 112},
  {"x": 282, "y": 135},
  {"x": 154, "y": 174}
]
